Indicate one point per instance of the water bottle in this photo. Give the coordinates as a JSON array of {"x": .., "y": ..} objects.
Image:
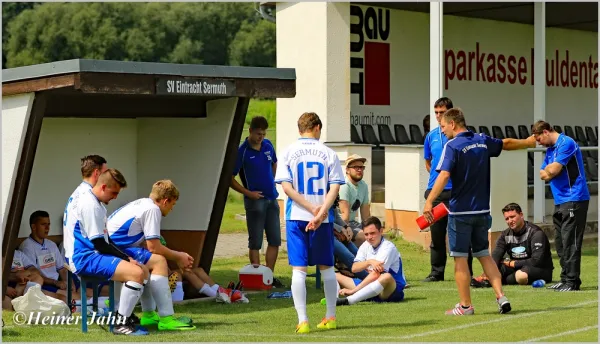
[{"x": 539, "y": 283}]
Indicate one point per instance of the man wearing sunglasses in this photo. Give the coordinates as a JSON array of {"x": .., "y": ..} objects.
[{"x": 354, "y": 197}]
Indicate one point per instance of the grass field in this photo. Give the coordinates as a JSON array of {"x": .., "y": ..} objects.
[{"x": 538, "y": 314}]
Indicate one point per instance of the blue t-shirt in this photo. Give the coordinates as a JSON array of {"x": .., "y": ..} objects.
[
  {"x": 569, "y": 185},
  {"x": 256, "y": 168},
  {"x": 467, "y": 158},
  {"x": 434, "y": 144}
]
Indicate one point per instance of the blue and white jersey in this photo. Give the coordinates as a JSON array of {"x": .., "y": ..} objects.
[
  {"x": 311, "y": 167},
  {"x": 68, "y": 239},
  {"x": 129, "y": 225},
  {"x": 21, "y": 262},
  {"x": 46, "y": 256},
  {"x": 86, "y": 219},
  {"x": 387, "y": 253}
]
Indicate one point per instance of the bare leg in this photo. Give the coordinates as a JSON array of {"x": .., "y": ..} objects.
[
  {"x": 271, "y": 256},
  {"x": 203, "y": 276},
  {"x": 463, "y": 279},
  {"x": 491, "y": 271},
  {"x": 194, "y": 280},
  {"x": 254, "y": 256},
  {"x": 521, "y": 277}
]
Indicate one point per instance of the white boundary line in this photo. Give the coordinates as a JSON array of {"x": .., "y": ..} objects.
[
  {"x": 583, "y": 329},
  {"x": 193, "y": 334},
  {"x": 517, "y": 291}
]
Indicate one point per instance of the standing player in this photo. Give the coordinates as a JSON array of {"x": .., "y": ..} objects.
[
  {"x": 137, "y": 221},
  {"x": 310, "y": 174},
  {"x": 94, "y": 254},
  {"x": 466, "y": 160}
]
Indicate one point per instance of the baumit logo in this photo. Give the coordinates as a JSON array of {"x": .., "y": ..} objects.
[{"x": 369, "y": 32}]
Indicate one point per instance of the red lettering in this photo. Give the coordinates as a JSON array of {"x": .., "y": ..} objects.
[
  {"x": 550, "y": 73},
  {"x": 512, "y": 77},
  {"x": 479, "y": 64},
  {"x": 583, "y": 75},
  {"x": 573, "y": 76},
  {"x": 501, "y": 69},
  {"x": 471, "y": 57},
  {"x": 491, "y": 69},
  {"x": 461, "y": 68},
  {"x": 449, "y": 74},
  {"x": 564, "y": 70},
  {"x": 522, "y": 70},
  {"x": 591, "y": 67}
]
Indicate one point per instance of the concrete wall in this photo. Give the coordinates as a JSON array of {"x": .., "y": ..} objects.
[
  {"x": 504, "y": 99},
  {"x": 188, "y": 151},
  {"x": 15, "y": 116}
]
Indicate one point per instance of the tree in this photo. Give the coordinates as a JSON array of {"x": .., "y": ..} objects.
[
  {"x": 254, "y": 45},
  {"x": 149, "y": 32},
  {"x": 9, "y": 11}
]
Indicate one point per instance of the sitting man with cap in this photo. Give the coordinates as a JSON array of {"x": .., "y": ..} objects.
[{"x": 354, "y": 196}]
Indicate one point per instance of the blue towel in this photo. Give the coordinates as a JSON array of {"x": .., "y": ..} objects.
[{"x": 280, "y": 295}]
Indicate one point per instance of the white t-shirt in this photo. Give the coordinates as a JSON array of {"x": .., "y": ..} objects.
[
  {"x": 21, "y": 261},
  {"x": 86, "y": 219},
  {"x": 311, "y": 167},
  {"x": 46, "y": 256},
  {"x": 129, "y": 225},
  {"x": 387, "y": 253},
  {"x": 68, "y": 239}
]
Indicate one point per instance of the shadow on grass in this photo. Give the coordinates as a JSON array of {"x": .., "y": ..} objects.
[
  {"x": 10, "y": 333},
  {"x": 388, "y": 325},
  {"x": 534, "y": 311}
]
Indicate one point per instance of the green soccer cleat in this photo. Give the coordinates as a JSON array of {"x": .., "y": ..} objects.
[
  {"x": 169, "y": 323},
  {"x": 149, "y": 319},
  {"x": 152, "y": 318}
]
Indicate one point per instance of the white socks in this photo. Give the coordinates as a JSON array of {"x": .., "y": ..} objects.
[
  {"x": 299, "y": 294},
  {"x": 208, "y": 291},
  {"x": 130, "y": 294},
  {"x": 178, "y": 294},
  {"x": 215, "y": 287},
  {"x": 118, "y": 287},
  {"x": 159, "y": 285},
  {"x": 147, "y": 301},
  {"x": 371, "y": 290},
  {"x": 331, "y": 290}
]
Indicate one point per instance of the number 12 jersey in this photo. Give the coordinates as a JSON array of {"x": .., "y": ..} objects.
[{"x": 311, "y": 167}]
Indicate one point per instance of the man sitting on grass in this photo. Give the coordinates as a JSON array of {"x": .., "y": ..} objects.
[
  {"x": 128, "y": 226},
  {"x": 385, "y": 281}
]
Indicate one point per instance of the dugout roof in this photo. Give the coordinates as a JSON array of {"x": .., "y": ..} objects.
[{"x": 84, "y": 88}]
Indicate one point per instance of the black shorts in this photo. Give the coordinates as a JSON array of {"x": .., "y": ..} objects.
[{"x": 533, "y": 274}]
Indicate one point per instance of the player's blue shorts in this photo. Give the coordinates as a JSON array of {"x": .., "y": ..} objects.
[
  {"x": 309, "y": 248},
  {"x": 397, "y": 295},
  {"x": 140, "y": 254},
  {"x": 96, "y": 264}
]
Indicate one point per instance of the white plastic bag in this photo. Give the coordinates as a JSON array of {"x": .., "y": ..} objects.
[{"x": 34, "y": 301}]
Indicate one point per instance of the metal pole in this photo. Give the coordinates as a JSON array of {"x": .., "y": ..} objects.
[
  {"x": 436, "y": 48},
  {"x": 539, "y": 104}
]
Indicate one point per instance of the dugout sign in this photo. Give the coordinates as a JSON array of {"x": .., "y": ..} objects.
[{"x": 195, "y": 87}]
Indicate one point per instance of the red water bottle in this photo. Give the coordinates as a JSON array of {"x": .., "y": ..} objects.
[{"x": 439, "y": 212}]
